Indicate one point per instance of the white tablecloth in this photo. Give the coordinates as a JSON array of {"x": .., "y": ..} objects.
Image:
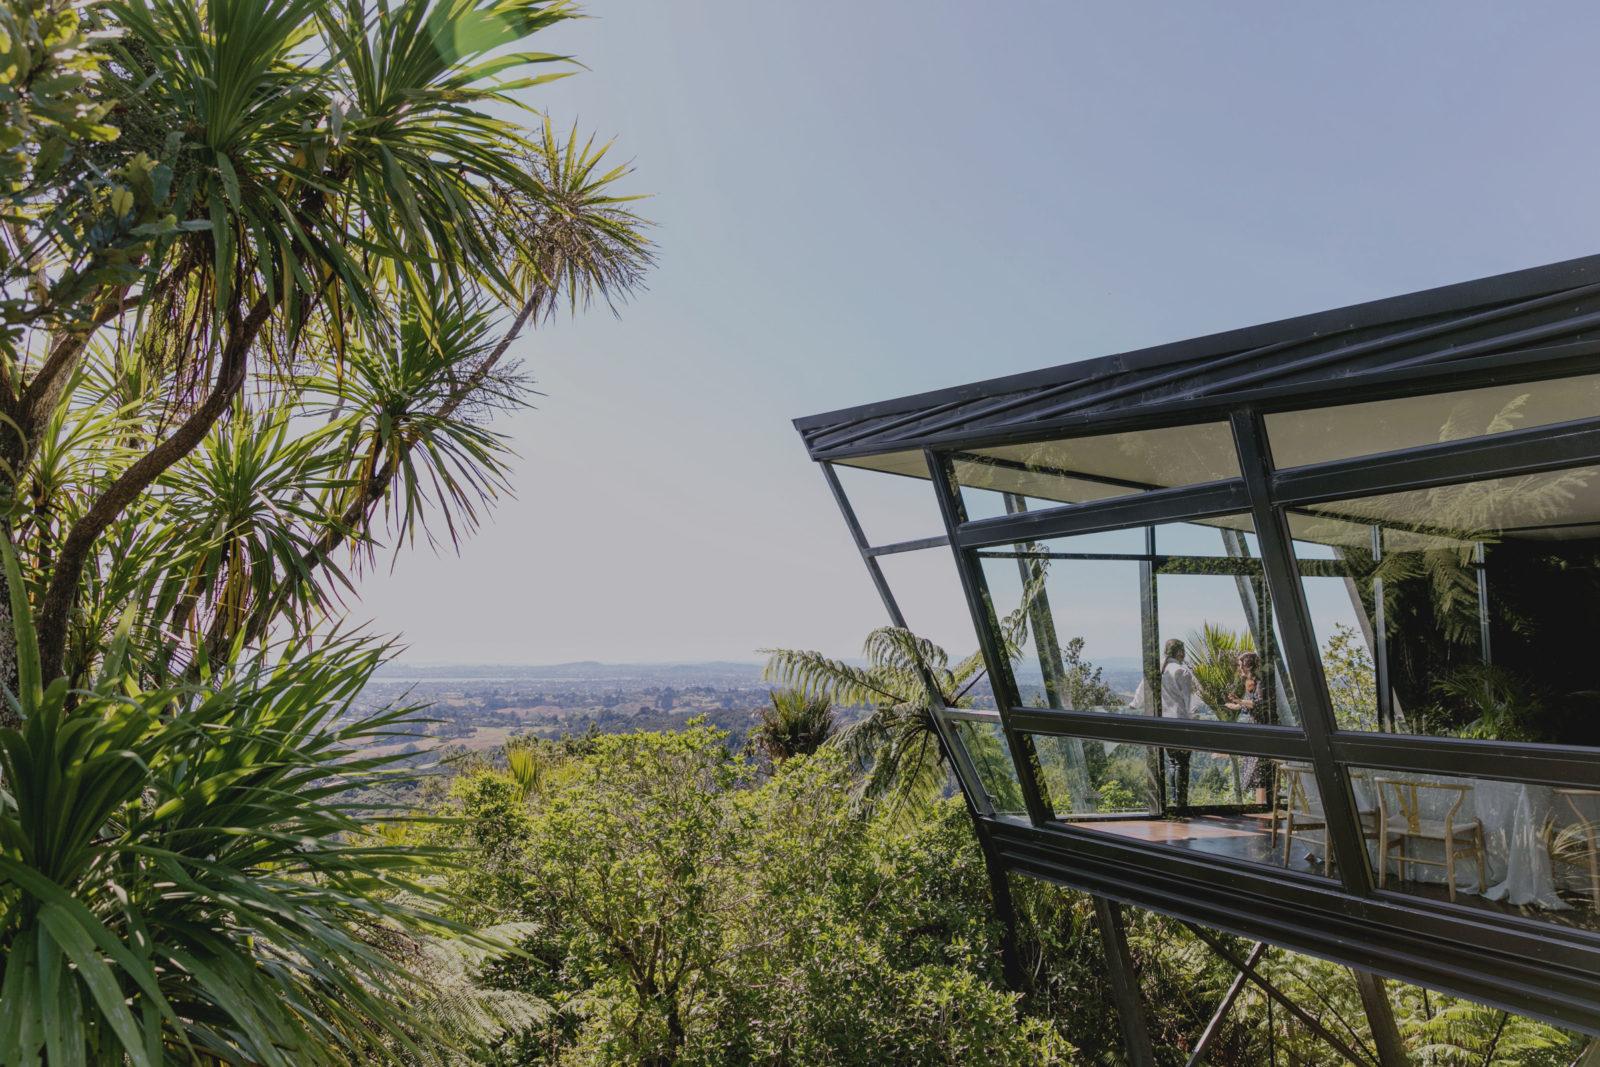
[{"x": 1514, "y": 816}]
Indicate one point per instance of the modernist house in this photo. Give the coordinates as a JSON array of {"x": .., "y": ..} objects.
[{"x": 1396, "y": 508}]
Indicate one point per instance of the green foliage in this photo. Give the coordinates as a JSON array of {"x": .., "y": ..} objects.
[
  {"x": 210, "y": 890},
  {"x": 1352, "y": 680},
  {"x": 1490, "y": 702},
  {"x": 1084, "y": 682},
  {"x": 679, "y": 911},
  {"x": 1213, "y": 655},
  {"x": 261, "y": 264},
  {"x": 793, "y": 724},
  {"x": 896, "y": 745}
]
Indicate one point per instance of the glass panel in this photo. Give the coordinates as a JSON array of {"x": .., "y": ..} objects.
[
  {"x": 1243, "y": 807},
  {"x": 986, "y": 747},
  {"x": 1510, "y": 847},
  {"x": 892, "y": 497},
  {"x": 1477, "y": 617},
  {"x": 1079, "y": 469},
  {"x": 1302, "y": 437},
  {"x": 1101, "y": 625},
  {"x": 927, "y": 587}
]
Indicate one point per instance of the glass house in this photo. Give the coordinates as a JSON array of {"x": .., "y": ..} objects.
[{"x": 1291, "y": 631}]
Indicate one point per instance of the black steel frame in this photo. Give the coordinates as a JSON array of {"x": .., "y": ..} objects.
[{"x": 1524, "y": 327}]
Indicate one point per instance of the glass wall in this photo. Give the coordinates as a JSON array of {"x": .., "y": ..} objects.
[
  {"x": 1079, "y": 469},
  {"x": 927, "y": 588},
  {"x": 1224, "y": 804},
  {"x": 1172, "y": 620},
  {"x": 1523, "y": 846},
  {"x": 986, "y": 747},
  {"x": 1470, "y": 610},
  {"x": 1303, "y": 437},
  {"x": 892, "y": 497}
]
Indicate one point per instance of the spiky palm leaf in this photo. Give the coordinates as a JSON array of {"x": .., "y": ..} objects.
[{"x": 793, "y": 724}]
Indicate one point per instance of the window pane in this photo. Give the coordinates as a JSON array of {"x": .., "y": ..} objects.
[
  {"x": 1100, "y": 624},
  {"x": 1503, "y": 846},
  {"x": 1302, "y": 437},
  {"x": 1079, "y": 469},
  {"x": 1477, "y": 617},
  {"x": 892, "y": 497},
  {"x": 927, "y": 588},
  {"x": 1242, "y": 807},
  {"x": 986, "y": 747}
]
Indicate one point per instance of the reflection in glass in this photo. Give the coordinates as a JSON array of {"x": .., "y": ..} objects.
[
  {"x": 986, "y": 748},
  {"x": 1501, "y": 845},
  {"x": 1210, "y": 802},
  {"x": 1183, "y": 631},
  {"x": 1080, "y": 469},
  {"x": 1303, "y": 437},
  {"x": 1467, "y": 610}
]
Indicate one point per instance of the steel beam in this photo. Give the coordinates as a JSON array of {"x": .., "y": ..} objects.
[
  {"x": 1380, "y": 1019},
  {"x": 981, "y": 608},
  {"x": 1343, "y": 826},
  {"x": 1218, "y": 1017},
  {"x": 1124, "y": 983}
]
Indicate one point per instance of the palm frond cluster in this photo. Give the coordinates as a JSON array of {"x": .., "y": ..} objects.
[{"x": 262, "y": 267}]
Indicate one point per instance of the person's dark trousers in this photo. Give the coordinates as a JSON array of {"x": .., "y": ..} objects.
[{"x": 1180, "y": 777}]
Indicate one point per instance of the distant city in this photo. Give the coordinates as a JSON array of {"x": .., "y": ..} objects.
[
  {"x": 479, "y": 707},
  {"x": 482, "y": 706}
]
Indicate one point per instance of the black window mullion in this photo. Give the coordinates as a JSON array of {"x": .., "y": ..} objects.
[
  {"x": 1200, "y": 735},
  {"x": 1143, "y": 509},
  {"x": 1343, "y": 832},
  {"x": 981, "y": 608},
  {"x": 1511, "y": 761}
]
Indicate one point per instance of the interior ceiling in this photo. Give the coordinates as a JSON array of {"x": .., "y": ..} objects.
[
  {"x": 1551, "y": 505},
  {"x": 1325, "y": 434}
]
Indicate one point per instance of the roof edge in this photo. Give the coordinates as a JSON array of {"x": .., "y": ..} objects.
[{"x": 1456, "y": 296}]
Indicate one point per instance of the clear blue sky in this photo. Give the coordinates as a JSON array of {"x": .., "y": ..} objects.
[{"x": 863, "y": 198}]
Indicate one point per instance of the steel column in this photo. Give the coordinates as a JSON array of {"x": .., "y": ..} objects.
[
  {"x": 1124, "y": 983},
  {"x": 1218, "y": 1017},
  {"x": 1343, "y": 832},
  {"x": 981, "y": 608},
  {"x": 1380, "y": 1019}
]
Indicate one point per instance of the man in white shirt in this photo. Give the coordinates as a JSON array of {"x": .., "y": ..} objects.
[{"x": 1180, "y": 699}]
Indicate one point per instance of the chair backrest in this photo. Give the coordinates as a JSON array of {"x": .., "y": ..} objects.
[
  {"x": 1412, "y": 800},
  {"x": 1300, "y": 787}
]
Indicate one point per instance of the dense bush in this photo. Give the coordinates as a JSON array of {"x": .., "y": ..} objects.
[
  {"x": 677, "y": 903},
  {"x": 684, "y": 913}
]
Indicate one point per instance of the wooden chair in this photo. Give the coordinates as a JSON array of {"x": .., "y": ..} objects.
[
  {"x": 1299, "y": 817},
  {"x": 1584, "y": 830},
  {"x": 1400, "y": 820}
]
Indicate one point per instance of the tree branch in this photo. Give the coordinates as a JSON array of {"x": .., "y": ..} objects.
[
  {"x": 62, "y": 592},
  {"x": 358, "y": 515}
]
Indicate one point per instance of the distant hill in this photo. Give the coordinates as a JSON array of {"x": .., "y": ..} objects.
[{"x": 588, "y": 671}]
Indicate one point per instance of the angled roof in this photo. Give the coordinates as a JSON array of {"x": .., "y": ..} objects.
[{"x": 1527, "y": 323}]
